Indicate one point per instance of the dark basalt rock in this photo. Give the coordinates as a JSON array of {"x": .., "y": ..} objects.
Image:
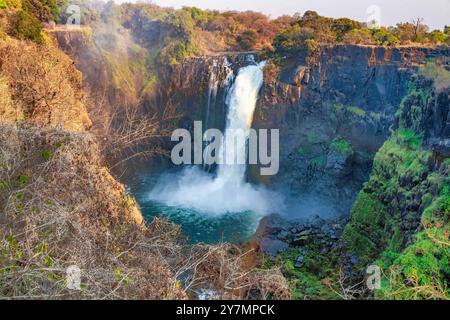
[{"x": 276, "y": 234}]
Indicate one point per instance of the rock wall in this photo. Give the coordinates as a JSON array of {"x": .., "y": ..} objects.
[{"x": 334, "y": 111}]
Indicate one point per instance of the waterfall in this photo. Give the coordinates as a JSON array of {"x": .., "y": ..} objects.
[
  {"x": 227, "y": 192},
  {"x": 241, "y": 106}
]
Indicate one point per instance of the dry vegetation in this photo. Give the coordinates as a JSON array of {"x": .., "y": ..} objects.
[
  {"x": 61, "y": 207},
  {"x": 44, "y": 86}
]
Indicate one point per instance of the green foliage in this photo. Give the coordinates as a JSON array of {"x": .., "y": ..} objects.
[
  {"x": 357, "y": 111},
  {"x": 3, "y": 185},
  {"x": 23, "y": 180},
  {"x": 43, "y": 10},
  {"x": 369, "y": 213},
  {"x": 319, "y": 161},
  {"x": 358, "y": 36},
  {"x": 410, "y": 113},
  {"x": 346, "y": 114},
  {"x": 372, "y": 227},
  {"x": 304, "y": 151},
  {"x": 46, "y": 154},
  {"x": 201, "y": 17},
  {"x": 409, "y": 32},
  {"x": 295, "y": 40},
  {"x": 313, "y": 280},
  {"x": 53, "y": 6},
  {"x": 312, "y": 137},
  {"x": 342, "y": 26},
  {"x": 26, "y": 21},
  {"x": 341, "y": 146},
  {"x": 438, "y": 37},
  {"x": 10, "y": 4},
  {"x": 409, "y": 138},
  {"x": 26, "y": 27},
  {"x": 384, "y": 37},
  {"x": 419, "y": 272}
]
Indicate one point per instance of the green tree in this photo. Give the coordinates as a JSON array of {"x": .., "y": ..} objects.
[
  {"x": 321, "y": 26},
  {"x": 294, "y": 40},
  {"x": 384, "y": 37},
  {"x": 438, "y": 37},
  {"x": 359, "y": 36},
  {"x": 26, "y": 26},
  {"x": 342, "y": 26}
]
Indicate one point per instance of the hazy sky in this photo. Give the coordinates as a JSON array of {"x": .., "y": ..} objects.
[{"x": 435, "y": 12}]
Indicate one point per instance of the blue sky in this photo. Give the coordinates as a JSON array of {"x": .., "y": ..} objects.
[{"x": 435, "y": 12}]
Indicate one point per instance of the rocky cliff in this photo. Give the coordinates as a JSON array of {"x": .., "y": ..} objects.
[
  {"x": 334, "y": 111},
  {"x": 400, "y": 219}
]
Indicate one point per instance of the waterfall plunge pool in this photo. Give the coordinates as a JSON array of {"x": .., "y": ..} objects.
[
  {"x": 220, "y": 207},
  {"x": 198, "y": 225}
]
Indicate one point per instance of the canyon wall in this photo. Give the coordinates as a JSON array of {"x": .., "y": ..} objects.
[{"x": 334, "y": 111}]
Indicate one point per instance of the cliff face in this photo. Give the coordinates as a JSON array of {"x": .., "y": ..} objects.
[
  {"x": 334, "y": 111},
  {"x": 400, "y": 220},
  {"x": 106, "y": 65}
]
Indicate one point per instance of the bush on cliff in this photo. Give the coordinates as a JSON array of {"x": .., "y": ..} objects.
[
  {"x": 295, "y": 40},
  {"x": 25, "y": 26},
  {"x": 359, "y": 36},
  {"x": 400, "y": 168},
  {"x": 44, "y": 85},
  {"x": 384, "y": 37}
]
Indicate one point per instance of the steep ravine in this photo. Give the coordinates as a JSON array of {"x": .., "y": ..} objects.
[
  {"x": 333, "y": 109},
  {"x": 351, "y": 120},
  {"x": 334, "y": 112}
]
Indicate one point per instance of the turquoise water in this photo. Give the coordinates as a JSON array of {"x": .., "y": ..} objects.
[{"x": 234, "y": 227}]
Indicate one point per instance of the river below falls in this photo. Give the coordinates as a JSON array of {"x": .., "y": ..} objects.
[{"x": 197, "y": 226}]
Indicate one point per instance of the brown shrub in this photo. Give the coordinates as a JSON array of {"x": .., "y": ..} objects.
[
  {"x": 59, "y": 207},
  {"x": 44, "y": 84},
  {"x": 7, "y": 111}
]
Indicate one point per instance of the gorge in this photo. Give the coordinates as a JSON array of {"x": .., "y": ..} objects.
[
  {"x": 335, "y": 110},
  {"x": 87, "y": 176}
]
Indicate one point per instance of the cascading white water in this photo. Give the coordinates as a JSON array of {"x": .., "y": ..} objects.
[
  {"x": 241, "y": 103},
  {"x": 227, "y": 192}
]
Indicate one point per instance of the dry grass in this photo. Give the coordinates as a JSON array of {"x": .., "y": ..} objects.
[
  {"x": 59, "y": 207},
  {"x": 43, "y": 84},
  {"x": 69, "y": 211},
  {"x": 7, "y": 111}
]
